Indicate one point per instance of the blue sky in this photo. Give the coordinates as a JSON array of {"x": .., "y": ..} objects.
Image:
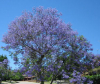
[{"x": 84, "y": 15}]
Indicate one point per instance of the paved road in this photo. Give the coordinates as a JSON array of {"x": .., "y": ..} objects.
[
  {"x": 21, "y": 82},
  {"x": 26, "y": 82}
]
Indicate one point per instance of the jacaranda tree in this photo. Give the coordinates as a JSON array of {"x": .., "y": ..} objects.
[{"x": 50, "y": 44}]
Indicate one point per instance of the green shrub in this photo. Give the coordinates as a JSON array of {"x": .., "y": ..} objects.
[
  {"x": 94, "y": 78},
  {"x": 18, "y": 77}
]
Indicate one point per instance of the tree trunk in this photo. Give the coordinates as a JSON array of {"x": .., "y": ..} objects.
[
  {"x": 0, "y": 80},
  {"x": 10, "y": 80},
  {"x": 42, "y": 82},
  {"x": 52, "y": 80},
  {"x": 38, "y": 63}
]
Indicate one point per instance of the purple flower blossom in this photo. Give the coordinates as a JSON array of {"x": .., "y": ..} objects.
[
  {"x": 65, "y": 76},
  {"x": 23, "y": 69},
  {"x": 5, "y": 60},
  {"x": 59, "y": 66},
  {"x": 72, "y": 80},
  {"x": 15, "y": 71},
  {"x": 15, "y": 58},
  {"x": 74, "y": 74}
]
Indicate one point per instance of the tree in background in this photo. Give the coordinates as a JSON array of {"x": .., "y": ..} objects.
[
  {"x": 45, "y": 39},
  {"x": 3, "y": 66},
  {"x": 96, "y": 61},
  {"x": 16, "y": 75},
  {"x": 2, "y": 58}
]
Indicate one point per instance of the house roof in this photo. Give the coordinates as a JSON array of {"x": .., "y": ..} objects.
[{"x": 27, "y": 76}]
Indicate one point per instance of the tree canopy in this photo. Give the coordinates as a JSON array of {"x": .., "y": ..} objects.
[{"x": 45, "y": 39}]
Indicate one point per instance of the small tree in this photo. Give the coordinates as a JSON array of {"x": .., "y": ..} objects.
[{"x": 3, "y": 66}]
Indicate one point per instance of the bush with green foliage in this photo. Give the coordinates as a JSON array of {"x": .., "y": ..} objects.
[
  {"x": 94, "y": 78},
  {"x": 17, "y": 76}
]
